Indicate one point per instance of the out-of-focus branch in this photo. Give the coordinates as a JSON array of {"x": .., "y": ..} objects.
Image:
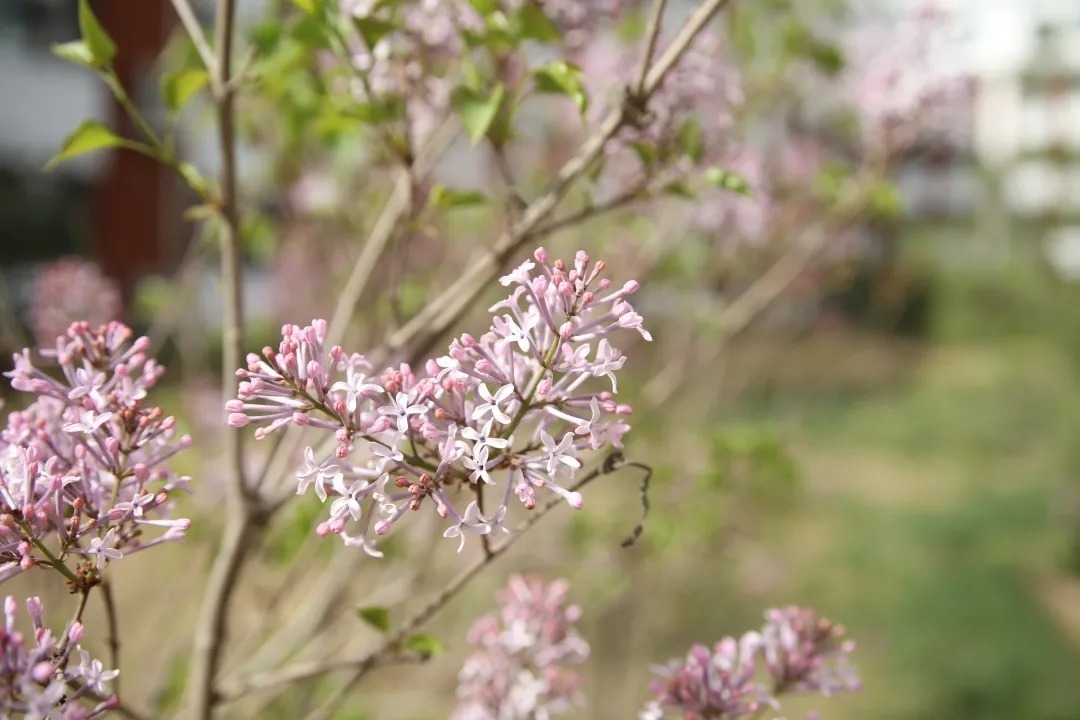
[
  {"x": 423, "y": 330},
  {"x": 365, "y": 663},
  {"x": 198, "y": 38},
  {"x": 652, "y": 33},
  {"x": 211, "y": 628}
]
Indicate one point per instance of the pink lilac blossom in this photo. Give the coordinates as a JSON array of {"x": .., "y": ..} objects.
[
  {"x": 799, "y": 652},
  {"x": 84, "y": 468},
  {"x": 519, "y": 670},
  {"x": 71, "y": 289},
  {"x": 519, "y": 407},
  {"x": 49, "y": 677}
]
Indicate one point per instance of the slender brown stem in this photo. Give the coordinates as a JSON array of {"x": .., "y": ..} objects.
[
  {"x": 652, "y": 33},
  {"x": 211, "y": 629}
]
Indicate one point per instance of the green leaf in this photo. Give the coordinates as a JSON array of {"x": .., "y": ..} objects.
[
  {"x": 828, "y": 57},
  {"x": 646, "y": 153},
  {"x": 536, "y": 25},
  {"x": 101, "y": 46},
  {"x": 691, "y": 140},
  {"x": 679, "y": 189},
  {"x": 373, "y": 29},
  {"x": 193, "y": 178},
  {"x": 424, "y": 645},
  {"x": 90, "y": 136},
  {"x": 74, "y": 52},
  {"x": 444, "y": 197},
  {"x": 179, "y": 87},
  {"x": 485, "y": 7},
  {"x": 561, "y": 77},
  {"x": 376, "y": 616},
  {"x": 718, "y": 177},
  {"x": 477, "y": 111},
  {"x": 308, "y": 6}
]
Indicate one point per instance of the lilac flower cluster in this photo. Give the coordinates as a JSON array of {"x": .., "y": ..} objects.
[
  {"x": 71, "y": 289},
  {"x": 800, "y": 651},
  {"x": 520, "y": 405},
  {"x": 83, "y": 469},
  {"x": 52, "y": 677},
  {"x": 518, "y": 671}
]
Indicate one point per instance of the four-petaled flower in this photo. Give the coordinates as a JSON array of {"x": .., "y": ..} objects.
[
  {"x": 559, "y": 453},
  {"x": 493, "y": 403},
  {"x": 477, "y": 463},
  {"x": 89, "y": 421},
  {"x": 103, "y": 548},
  {"x": 471, "y": 521},
  {"x": 354, "y": 386}
]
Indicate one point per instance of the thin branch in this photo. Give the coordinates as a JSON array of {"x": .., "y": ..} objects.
[
  {"x": 198, "y": 38},
  {"x": 421, "y": 332},
  {"x": 651, "y": 36},
  {"x": 113, "y": 636},
  {"x": 591, "y": 211},
  {"x": 365, "y": 663},
  {"x": 211, "y": 629}
]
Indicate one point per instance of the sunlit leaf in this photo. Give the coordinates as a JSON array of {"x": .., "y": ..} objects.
[
  {"x": 564, "y": 78},
  {"x": 179, "y": 87},
  {"x": 101, "y": 46},
  {"x": 376, "y": 616},
  {"x": 373, "y": 29},
  {"x": 90, "y": 136},
  {"x": 425, "y": 645},
  {"x": 718, "y": 177},
  {"x": 75, "y": 52},
  {"x": 477, "y": 111},
  {"x": 536, "y": 25}
]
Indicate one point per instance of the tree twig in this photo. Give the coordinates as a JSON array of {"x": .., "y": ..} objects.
[
  {"x": 211, "y": 628},
  {"x": 652, "y": 33}
]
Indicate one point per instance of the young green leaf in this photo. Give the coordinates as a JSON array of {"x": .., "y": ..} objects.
[
  {"x": 718, "y": 177},
  {"x": 477, "y": 111},
  {"x": 444, "y": 197},
  {"x": 424, "y": 645},
  {"x": 373, "y": 29},
  {"x": 534, "y": 24},
  {"x": 179, "y": 87},
  {"x": 75, "y": 52},
  {"x": 560, "y": 77},
  {"x": 101, "y": 47},
  {"x": 90, "y": 136},
  {"x": 376, "y": 616}
]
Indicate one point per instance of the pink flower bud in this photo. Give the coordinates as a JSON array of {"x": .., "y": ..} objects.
[
  {"x": 76, "y": 632},
  {"x": 238, "y": 420},
  {"x": 541, "y": 255},
  {"x": 42, "y": 672},
  {"x": 382, "y": 527}
]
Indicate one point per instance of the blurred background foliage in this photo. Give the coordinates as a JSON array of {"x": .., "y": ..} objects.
[{"x": 896, "y": 447}]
